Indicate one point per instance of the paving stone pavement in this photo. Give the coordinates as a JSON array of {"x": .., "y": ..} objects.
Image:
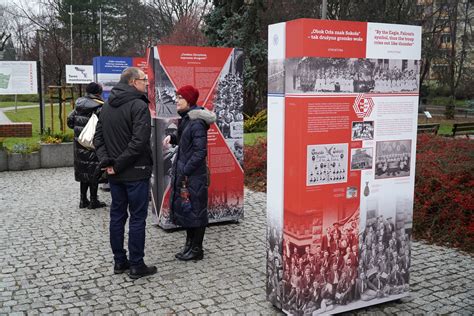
[{"x": 55, "y": 258}]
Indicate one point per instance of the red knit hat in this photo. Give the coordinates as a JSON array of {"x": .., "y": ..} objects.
[{"x": 189, "y": 93}]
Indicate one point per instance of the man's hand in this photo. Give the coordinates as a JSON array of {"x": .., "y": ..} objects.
[
  {"x": 166, "y": 141},
  {"x": 110, "y": 170}
]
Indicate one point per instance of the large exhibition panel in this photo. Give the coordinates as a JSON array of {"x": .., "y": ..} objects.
[
  {"x": 342, "y": 122},
  {"x": 217, "y": 74}
]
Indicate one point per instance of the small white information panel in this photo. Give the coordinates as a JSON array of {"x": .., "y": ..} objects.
[
  {"x": 18, "y": 77},
  {"x": 79, "y": 74}
]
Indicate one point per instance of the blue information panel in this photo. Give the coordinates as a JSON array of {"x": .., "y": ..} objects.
[{"x": 107, "y": 71}]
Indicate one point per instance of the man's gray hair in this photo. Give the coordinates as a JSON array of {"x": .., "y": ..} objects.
[{"x": 130, "y": 74}]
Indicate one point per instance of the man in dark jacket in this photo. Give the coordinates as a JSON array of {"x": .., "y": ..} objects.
[{"x": 122, "y": 142}]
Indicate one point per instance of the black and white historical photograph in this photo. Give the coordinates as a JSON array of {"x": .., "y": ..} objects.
[
  {"x": 274, "y": 286},
  {"x": 276, "y": 76},
  {"x": 362, "y": 130},
  {"x": 362, "y": 158},
  {"x": 225, "y": 205},
  {"x": 228, "y": 106},
  {"x": 169, "y": 152},
  {"x": 165, "y": 93},
  {"x": 326, "y": 164},
  {"x": 392, "y": 159},
  {"x": 321, "y": 277},
  {"x": 384, "y": 258},
  {"x": 353, "y": 75}
]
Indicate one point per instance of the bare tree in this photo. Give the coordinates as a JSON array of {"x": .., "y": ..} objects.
[
  {"x": 165, "y": 14},
  {"x": 54, "y": 38},
  {"x": 433, "y": 20},
  {"x": 4, "y": 36},
  {"x": 186, "y": 31},
  {"x": 457, "y": 47}
]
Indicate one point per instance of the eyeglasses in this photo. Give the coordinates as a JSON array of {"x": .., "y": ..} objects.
[{"x": 144, "y": 79}]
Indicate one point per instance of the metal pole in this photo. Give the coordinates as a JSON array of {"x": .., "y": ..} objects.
[
  {"x": 324, "y": 9},
  {"x": 16, "y": 103},
  {"x": 70, "y": 21},
  {"x": 41, "y": 82},
  {"x": 52, "y": 110},
  {"x": 100, "y": 31}
]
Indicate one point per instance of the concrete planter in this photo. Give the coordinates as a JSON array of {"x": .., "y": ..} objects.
[
  {"x": 3, "y": 160},
  {"x": 24, "y": 161},
  {"x": 57, "y": 155}
]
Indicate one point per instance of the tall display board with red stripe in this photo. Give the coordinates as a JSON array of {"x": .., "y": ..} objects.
[
  {"x": 342, "y": 123},
  {"x": 217, "y": 74}
]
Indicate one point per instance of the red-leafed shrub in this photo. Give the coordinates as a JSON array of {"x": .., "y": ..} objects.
[
  {"x": 444, "y": 188},
  {"x": 255, "y": 165},
  {"x": 444, "y": 191}
]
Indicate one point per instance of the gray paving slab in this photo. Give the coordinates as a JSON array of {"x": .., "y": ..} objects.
[
  {"x": 3, "y": 118},
  {"x": 55, "y": 259}
]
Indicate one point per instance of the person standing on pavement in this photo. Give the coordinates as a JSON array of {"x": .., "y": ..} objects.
[
  {"x": 190, "y": 181},
  {"x": 85, "y": 159},
  {"x": 122, "y": 141}
]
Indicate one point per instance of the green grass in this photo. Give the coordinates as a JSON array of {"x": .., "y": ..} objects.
[
  {"x": 6, "y": 104},
  {"x": 32, "y": 142},
  {"x": 445, "y": 129},
  {"x": 251, "y": 138},
  {"x": 33, "y": 115}
]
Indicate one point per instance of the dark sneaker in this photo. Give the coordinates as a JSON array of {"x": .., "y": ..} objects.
[
  {"x": 141, "y": 271},
  {"x": 121, "y": 267}
]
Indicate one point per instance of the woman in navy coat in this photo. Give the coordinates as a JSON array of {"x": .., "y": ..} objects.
[{"x": 189, "y": 183}]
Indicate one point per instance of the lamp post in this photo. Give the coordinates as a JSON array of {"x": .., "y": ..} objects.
[
  {"x": 100, "y": 31},
  {"x": 70, "y": 22},
  {"x": 41, "y": 81}
]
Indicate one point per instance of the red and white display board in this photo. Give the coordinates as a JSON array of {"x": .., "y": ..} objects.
[
  {"x": 342, "y": 123},
  {"x": 218, "y": 75}
]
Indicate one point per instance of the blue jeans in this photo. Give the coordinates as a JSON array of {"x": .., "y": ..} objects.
[{"x": 134, "y": 196}]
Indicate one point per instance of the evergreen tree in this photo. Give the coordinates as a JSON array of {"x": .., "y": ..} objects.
[{"x": 236, "y": 24}]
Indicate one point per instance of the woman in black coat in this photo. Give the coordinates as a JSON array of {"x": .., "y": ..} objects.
[
  {"x": 85, "y": 160},
  {"x": 190, "y": 181}
]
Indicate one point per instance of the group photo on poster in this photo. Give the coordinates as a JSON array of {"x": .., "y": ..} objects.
[
  {"x": 274, "y": 286},
  {"x": 363, "y": 130},
  {"x": 276, "y": 76},
  {"x": 384, "y": 260},
  {"x": 392, "y": 159},
  {"x": 352, "y": 75},
  {"x": 326, "y": 164},
  {"x": 321, "y": 276},
  {"x": 384, "y": 246},
  {"x": 228, "y": 106},
  {"x": 225, "y": 205}
]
